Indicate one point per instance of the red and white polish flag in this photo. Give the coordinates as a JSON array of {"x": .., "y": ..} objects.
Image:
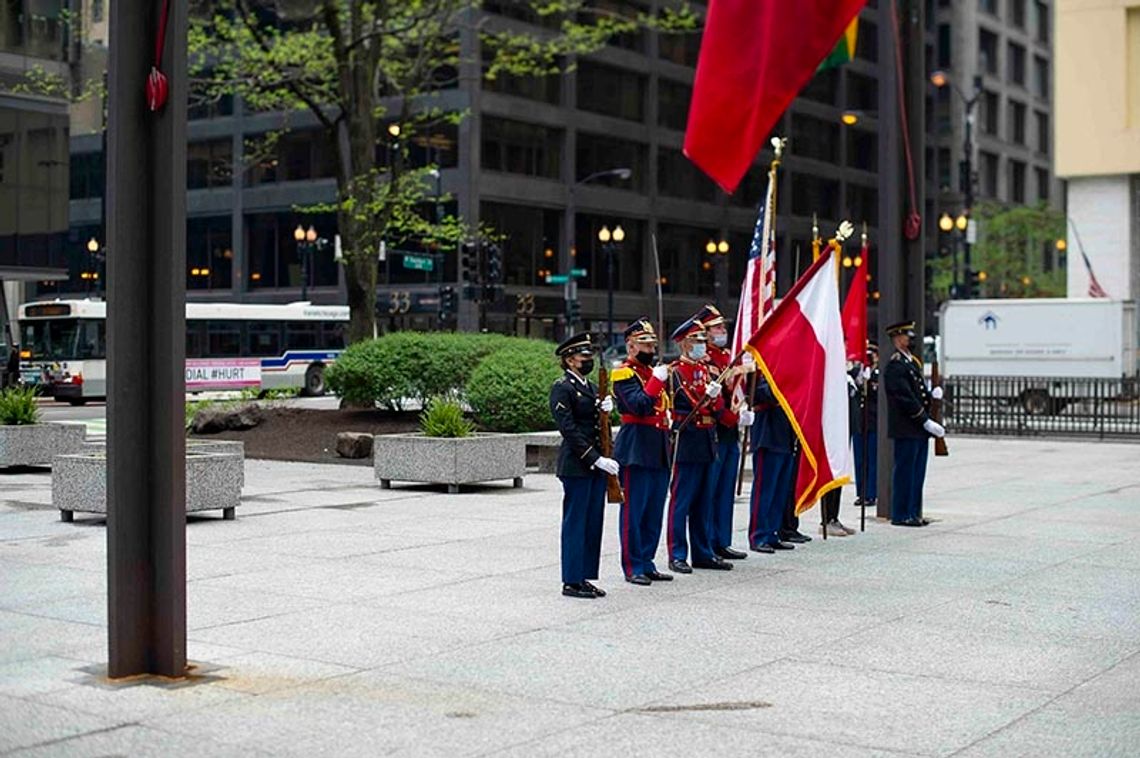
[{"x": 799, "y": 348}]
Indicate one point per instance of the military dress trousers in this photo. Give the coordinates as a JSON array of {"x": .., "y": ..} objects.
[
  {"x": 642, "y": 449},
  {"x": 574, "y": 405},
  {"x": 721, "y": 484},
  {"x": 908, "y": 408},
  {"x": 773, "y": 464}
]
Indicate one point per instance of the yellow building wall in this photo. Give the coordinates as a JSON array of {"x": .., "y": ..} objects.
[{"x": 1097, "y": 87}]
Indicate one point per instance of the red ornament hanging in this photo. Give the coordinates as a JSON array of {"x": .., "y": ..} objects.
[{"x": 157, "y": 87}]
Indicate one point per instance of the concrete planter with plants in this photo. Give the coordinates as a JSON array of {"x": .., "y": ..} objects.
[
  {"x": 24, "y": 440},
  {"x": 213, "y": 483},
  {"x": 448, "y": 451}
]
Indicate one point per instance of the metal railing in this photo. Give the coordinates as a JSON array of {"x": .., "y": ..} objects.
[{"x": 1042, "y": 406}]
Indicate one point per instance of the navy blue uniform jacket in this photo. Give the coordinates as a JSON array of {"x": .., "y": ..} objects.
[
  {"x": 574, "y": 405},
  {"x": 697, "y": 442},
  {"x": 908, "y": 402},
  {"x": 644, "y": 436},
  {"x": 771, "y": 430}
]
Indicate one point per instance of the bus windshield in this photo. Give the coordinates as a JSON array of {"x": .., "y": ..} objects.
[{"x": 63, "y": 339}]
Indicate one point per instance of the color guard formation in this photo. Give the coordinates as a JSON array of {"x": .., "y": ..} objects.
[{"x": 678, "y": 451}]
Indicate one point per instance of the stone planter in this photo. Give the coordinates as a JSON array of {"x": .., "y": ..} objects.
[
  {"x": 193, "y": 445},
  {"x": 441, "y": 460},
  {"x": 37, "y": 444},
  {"x": 213, "y": 483}
]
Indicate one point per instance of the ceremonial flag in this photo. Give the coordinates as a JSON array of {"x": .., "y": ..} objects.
[
  {"x": 758, "y": 291},
  {"x": 844, "y": 50},
  {"x": 855, "y": 310},
  {"x": 1095, "y": 290},
  {"x": 799, "y": 349},
  {"x": 756, "y": 56}
]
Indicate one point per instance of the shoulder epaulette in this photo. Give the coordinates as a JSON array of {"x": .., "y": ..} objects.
[{"x": 621, "y": 373}]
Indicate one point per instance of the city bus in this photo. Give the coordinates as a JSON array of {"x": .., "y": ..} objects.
[{"x": 229, "y": 346}]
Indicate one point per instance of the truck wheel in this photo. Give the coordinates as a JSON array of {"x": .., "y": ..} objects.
[
  {"x": 314, "y": 381},
  {"x": 1037, "y": 403},
  {"x": 77, "y": 401}
]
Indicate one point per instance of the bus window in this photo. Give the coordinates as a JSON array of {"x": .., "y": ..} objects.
[
  {"x": 301, "y": 335},
  {"x": 50, "y": 340},
  {"x": 195, "y": 339},
  {"x": 332, "y": 336},
  {"x": 223, "y": 339},
  {"x": 91, "y": 340},
  {"x": 264, "y": 339}
]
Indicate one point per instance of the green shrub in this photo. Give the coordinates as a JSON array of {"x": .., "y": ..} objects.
[
  {"x": 443, "y": 417},
  {"x": 367, "y": 374},
  {"x": 509, "y": 391},
  {"x": 18, "y": 406}
]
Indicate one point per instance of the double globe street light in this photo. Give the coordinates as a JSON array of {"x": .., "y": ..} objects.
[{"x": 610, "y": 242}]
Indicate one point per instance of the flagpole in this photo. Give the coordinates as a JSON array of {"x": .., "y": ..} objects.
[{"x": 865, "y": 410}]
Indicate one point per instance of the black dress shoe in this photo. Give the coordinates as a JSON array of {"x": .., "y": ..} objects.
[
  {"x": 795, "y": 538},
  {"x": 597, "y": 592},
  {"x": 716, "y": 563},
  {"x": 873, "y": 502},
  {"x": 640, "y": 579},
  {"x": 577, "y": 590},
  {"x": 680, "y": 567},
  {"x": 657, "y": 576},
  {"x": 859, "y": 501},
  {"x": 782, "y": 546},
  {"x": 763, "y": 549},
  {"x": 730, "y": 554},
  {"x": 908, "y": 522}
]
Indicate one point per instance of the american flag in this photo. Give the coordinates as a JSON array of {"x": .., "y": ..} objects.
[
  {"x": 1095, "y": 290},
  {"x": 758, "y": 292}
]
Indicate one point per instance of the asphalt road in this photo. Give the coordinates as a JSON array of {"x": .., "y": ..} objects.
[{"x": 94, "y": 413}]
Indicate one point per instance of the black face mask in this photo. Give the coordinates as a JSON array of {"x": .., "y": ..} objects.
[
  {"x": 647, "y": 359},
  {"x": 586, "y": 367}
]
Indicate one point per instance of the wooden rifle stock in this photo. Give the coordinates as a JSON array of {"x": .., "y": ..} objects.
[
  {"x": 940, "y": 448},
  {"x": 606, "y": 441}
]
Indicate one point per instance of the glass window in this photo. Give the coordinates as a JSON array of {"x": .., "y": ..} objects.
[
  {"x": 1041, "y": 13},
  {"x": 611, "y": 91},
  {"x": 273, "y": 256},
  {"x": 945, "y": 172},
  {"x": 988, "y": 6},
  {"x": 35, "y": 29},
  {"x": 91, "y": 340},
  {"x": 990, "y": 103},
  {"x": 621, "y": 9},
  {"x": 1016, "y": 63},
  {"x": 677, "y": 176},
  {"x": 989, "y": 172},
  {"x": 862, "y": 150},
  {"x": 34, "y": 186},
  {"x": 532, "y": 239},
  {"x": 673, "y": 104},
  {"x": 815, "y": 138},
  {"x": 516, "y": 147},
  {"x": 209, "y": 253},
  {"x": 264, "y": 339},
  {"x": 682, "y": 252},
  {"x": 195, "y": 339},
  {"x": 814, "y": 194},
  {"x": 987, "y": 51},
  {"x": 437, "y": 145},
  {"x": 1040, "y": 77},
  {"x": 824, "y": 86},
  {"x": 1042, "y": 183},
  {"x": 223, "y": 338},
  {"x": 682, "y": 49},
  {"x": 868, "y": 46},
  {"x": 862, "y": 92},
  {"x": 596, "y": 153},
  {"x": 1042, "y": 132},
  {"x": 862, "y": 204},
  {"x": 1017, "y": 181},
  {"x": 1017, "y": 13},
  {"x": 209, "y": 164},
  {"x": 301, "y": 335},
  {"x": 944, "y": 46},
  {"x": 332, "y": 335},
  {"x": 86, "y": 175},
  {"x": 1017, "y": 122},
  {"x": 545, "y": 89},
  {"x": 627, "y": 257},
  {"x": 50, "y": 340},
  {"x": 297, "y": 156}
]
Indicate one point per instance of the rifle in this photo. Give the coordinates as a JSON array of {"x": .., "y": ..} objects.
[
  {"x": 605, "y": 438},
  {"x": 940, "y": 448}
]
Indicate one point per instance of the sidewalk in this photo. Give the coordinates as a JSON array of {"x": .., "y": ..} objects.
[{"x": 335, "y": 618}]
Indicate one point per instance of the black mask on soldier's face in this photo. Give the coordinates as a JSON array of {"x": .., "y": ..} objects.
[
  {"x": 647, "y": 359},
  {"x": 586, "y": 367}
]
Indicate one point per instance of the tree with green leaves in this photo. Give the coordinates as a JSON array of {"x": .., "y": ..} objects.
[
  {"x": 371, "y": 73},
  {"x": 1015, "y": 255}
]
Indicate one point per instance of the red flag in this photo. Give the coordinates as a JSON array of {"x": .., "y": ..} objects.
[
  {"x": 756, "y": 56},
  {"x": 799, "y": 349},
  {"x": 855, "y": 311}
]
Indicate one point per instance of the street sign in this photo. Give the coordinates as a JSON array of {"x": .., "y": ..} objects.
[
  {"x": 972, "y": 232},
  {"x": 418, "y": 262},
  {"x": 557, "y": 278},
  {"x": 578, "y": 273}
]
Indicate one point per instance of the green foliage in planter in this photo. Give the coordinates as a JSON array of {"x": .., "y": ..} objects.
[
  {"x": 18, "y": 407},
  {"x": 443, "y": 417},
  {"x": 510, "y": 390}
]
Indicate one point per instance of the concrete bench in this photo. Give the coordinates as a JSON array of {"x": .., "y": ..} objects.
[{"x": 542, "y": 451}]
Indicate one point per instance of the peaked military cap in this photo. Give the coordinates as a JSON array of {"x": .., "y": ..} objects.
[
  {"x": 872, "y": 347},
  {"x": 902, "y": 327},
  {"x": 709, "y": 315},
  {"x": 691, "y": 329},
  {"x": 641, "y": 331},
  {"x": 578, "y": 344}
]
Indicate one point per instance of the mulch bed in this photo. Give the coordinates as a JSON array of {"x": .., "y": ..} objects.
[{"x": 307, "y": 434}]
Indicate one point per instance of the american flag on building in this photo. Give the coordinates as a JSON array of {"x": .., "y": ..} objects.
[{"x": 758, "y": 291}]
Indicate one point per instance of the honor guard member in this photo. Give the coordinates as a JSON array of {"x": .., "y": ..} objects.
[
  {"x": 696, "y": 405},
  {"x": 581, "y": 467},
  {"x": 642, "y": 449},
  {"x": 909, "y": 424},
  {"x": 721, "y": 493},
  {"x": 773, "y": 467},
  {"x": 864, "y": 428}
]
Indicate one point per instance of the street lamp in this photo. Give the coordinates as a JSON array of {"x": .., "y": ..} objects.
[
  {"x": 940, "y": 79},
  {"x": 570, "y": 292},
  {"x": 610, "y": 241},
  {"x": 99, "y": 256},
  {"x": 307, "y": 242},
  {"x": 719, "y": 252}
]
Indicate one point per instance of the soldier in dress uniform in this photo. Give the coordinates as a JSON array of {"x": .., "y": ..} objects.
[
  {"x": 696, "y": 405},
  {"x": 865, "y": 438},
  {"x": 582, "y": 468},
  {"x": 909, "y": 424},
  {"x": 722, "y": 472},
  {"x": 642, "y": 449},
  {"x": 773, "y": 466}
]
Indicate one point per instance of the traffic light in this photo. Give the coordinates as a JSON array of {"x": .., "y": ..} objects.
[
  {"x": 469, "y": 263},
  {"x": 494, "y": 257},
  {"x": 448, "y": 304},
  {"x": 974, "y": 282},
  {"x": 573, "y": 312}
]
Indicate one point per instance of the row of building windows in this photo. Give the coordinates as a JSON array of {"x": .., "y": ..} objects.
[
  {"x": 1017, "y": 117},
  {"x": 1016, "y": 62},
  {"x": 1017, "y": 14}
]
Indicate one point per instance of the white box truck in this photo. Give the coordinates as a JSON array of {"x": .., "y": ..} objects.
[{"x": 1045, "y": 338}]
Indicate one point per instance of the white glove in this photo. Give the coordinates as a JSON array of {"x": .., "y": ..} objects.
[
  {"x": 712, "y": 389},
  {"x": 608, "y": 465},
  {"x": 661, "y": 372},
  {"x": 936, "y": 393},
  {"x": 748, "y": 361},
  {"x": 745, "y": 418},
  {"x": 934, "y": 428},
  {"x": 607, "y": 404},
  {"x": 865, "y": 374}
]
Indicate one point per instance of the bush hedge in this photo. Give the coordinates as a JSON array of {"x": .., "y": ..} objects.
[
  {"x": 509, "y": 391},
  {"x": 18, "y": 406}
]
